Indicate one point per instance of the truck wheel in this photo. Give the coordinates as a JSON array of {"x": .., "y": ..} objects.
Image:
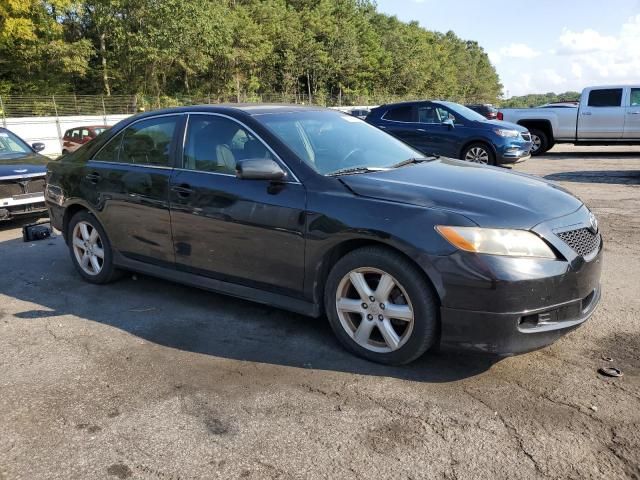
[{"x": 540, "y": 142}]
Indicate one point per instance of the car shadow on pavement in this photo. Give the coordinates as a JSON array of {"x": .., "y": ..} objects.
[
  {"x": 618, "y": 177},
  {"x": 193, "y": 320}
]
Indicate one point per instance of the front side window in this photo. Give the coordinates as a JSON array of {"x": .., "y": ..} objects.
[
  {"x": 147, "y": 142},
  {"x": 606, "y": 97},
  {"x": 330, "y": 141},
  {"x": 635, "y": 97},
  {"x": 434, "y": 114},
  {"x": 400, "y": 114},
  {"x": 215, "y": 144}
]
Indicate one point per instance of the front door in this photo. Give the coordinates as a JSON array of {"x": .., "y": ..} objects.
[
  {"x": 632, "y": 117},
  {"x": 242, "y": 231},
  {"x": 440, "y": 137},
  {"x": 128, "y": 184},
  {"x": 603, "y": 115}
]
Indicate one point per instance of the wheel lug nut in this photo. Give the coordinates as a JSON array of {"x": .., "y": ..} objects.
[
  {"x": 382, "y": 306},
  {"x": 380, "y": 317},
  {"x": 370, "y": 317},
  {"x": 372, "y": 298},
  {"x": 364, "y": 305}
]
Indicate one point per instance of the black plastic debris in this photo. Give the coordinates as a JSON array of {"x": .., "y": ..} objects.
[
  {"x": 610, "y": 371},
  {"x": 36, "y": 231}
]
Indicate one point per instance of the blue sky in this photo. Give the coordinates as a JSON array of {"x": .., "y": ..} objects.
[{"x": 541, "y": 46}]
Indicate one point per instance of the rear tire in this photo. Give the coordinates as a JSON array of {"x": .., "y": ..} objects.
[
  {"x": 90, "y": 249},
  {"x": 540, "y": 140},
  {"x": 381, "y": 307}
]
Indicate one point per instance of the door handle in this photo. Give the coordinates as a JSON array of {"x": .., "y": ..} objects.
[
  {"x": 93, "y": 177},
  {"x": 421, "y": 130},
  {"x": 183, "y": 190},
  {"x": 586, "y": 113},
  {"x": 633, "y": 113}
]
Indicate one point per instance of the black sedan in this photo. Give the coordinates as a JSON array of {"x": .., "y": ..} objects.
[
  {"x": 318, "y": 212},
  {"x": 22, "y": 173}
]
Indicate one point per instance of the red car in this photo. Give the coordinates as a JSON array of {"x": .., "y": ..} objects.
[{"x": 74, "y": 138}]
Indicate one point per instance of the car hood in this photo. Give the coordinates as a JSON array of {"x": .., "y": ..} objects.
[
  {"x": 503, "y": 124},
  {"x": 488, "y": 196},
  {"x": 23, "y": 165}
]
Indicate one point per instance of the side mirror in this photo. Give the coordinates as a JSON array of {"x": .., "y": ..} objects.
[
  {"x": 38, "y": 146},
  {"x": 449, "y": 123},
  {"x": 259, "y": 169}
]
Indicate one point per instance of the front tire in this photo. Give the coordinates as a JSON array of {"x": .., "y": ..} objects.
[
  {"x": 90, "y": 249},
  {"x": 479, "y": 153},
  {"x": 380, "y": 306}
]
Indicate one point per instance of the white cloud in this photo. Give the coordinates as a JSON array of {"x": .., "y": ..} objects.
[
  {"x": 514, "y": 50},
  {"x": 584, "y": 42},
  {"x": 579, "y": 59}
]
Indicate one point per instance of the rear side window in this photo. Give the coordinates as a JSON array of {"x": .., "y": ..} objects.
[
  {"x": 400, "y": 114},
  {"x": 148, "y": 142},
  {"x": 608, "y": 97},
  {"x": 635, "y": 97}
]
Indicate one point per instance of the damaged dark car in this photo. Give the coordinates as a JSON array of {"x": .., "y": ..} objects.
[{"x": 318, "y": 212}]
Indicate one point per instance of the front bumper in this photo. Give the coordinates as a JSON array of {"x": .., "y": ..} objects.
[
  {"x": 508, "y": 305},
  {"x": 513, "y": 153},
  {"x": 21, "y": 206}
]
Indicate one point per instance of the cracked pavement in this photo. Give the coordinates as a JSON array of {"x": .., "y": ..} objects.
[{"x": 148, "y": 379}]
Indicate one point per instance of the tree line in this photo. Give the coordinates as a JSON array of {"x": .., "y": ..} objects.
[
  {"x": 234, "y": 50},
  {"x": 537, "y": 99}
]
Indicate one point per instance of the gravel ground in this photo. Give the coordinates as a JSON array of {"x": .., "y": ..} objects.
[{"x": 148, "y": 379}]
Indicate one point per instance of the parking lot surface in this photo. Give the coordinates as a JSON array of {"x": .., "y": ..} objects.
[{"x": 148, "y": 379}]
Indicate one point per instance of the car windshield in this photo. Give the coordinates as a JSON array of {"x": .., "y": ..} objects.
[
  {"x": 464, "y": 112},
  {"x": 330, "y": 141},
  {"x": 12, "y": 146}
]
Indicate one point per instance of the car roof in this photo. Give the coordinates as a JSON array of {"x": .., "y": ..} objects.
[{"x": 247, "y": 108}]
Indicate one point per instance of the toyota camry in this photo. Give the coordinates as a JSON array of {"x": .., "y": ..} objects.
[{"x": 318, "y": 212}]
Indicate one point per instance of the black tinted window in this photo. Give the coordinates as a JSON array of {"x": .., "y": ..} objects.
[
  {"x": 214, "y": 144},
  {"x": 144, "y": 143},
  {"x": 400, "y": 114},
  {"x": 610, "y": 97}
]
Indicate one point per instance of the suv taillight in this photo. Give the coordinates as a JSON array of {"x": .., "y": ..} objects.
[{"x": 500, "y": 116}]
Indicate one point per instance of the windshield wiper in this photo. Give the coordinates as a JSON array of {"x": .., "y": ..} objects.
[
  {"x": 411, "y": 161},
  {"x": 353, "y": 170}
]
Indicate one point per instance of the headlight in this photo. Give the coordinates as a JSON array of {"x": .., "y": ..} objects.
[
  {"x": 506, "y": 133},
  {"x": 496, "y": 241}
]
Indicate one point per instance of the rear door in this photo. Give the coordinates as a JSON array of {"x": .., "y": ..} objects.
[
  {"x": 127, "y": 181},
  {"x": 602, "y": 114},
  {"x": 242, "y": 231},
  {"x": 401, "y": 121},
  {"x": 632, "y": 117}
]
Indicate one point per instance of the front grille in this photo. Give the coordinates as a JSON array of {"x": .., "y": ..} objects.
[
  {"x": 583, "y": 241},
  {"x": 526, "y": 137},
  {"x": 9, "y": 188}
]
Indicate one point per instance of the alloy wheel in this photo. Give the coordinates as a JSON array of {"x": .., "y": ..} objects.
[
  {"x": 536, "y": 143},
  {"x": 477, "y": 155},
  {"x": 374, "y": 310},
  {"x": 88, "y": 248}
]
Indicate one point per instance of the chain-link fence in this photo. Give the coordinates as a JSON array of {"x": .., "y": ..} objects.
[{"x": 68, "y": 105}]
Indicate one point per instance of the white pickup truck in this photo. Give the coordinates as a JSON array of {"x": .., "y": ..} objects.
[{"x": 605, "y": 116}]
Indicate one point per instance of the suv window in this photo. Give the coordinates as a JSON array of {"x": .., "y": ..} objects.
[
  {"x": 214, "y": 144},
  {"x": 609, "y": 97},
  {"x": 433, "y": 114},
  {"x": 147, "y": 142},
  {"x": 400, "y": 114},
  {"x": 635, "y": 97}
]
